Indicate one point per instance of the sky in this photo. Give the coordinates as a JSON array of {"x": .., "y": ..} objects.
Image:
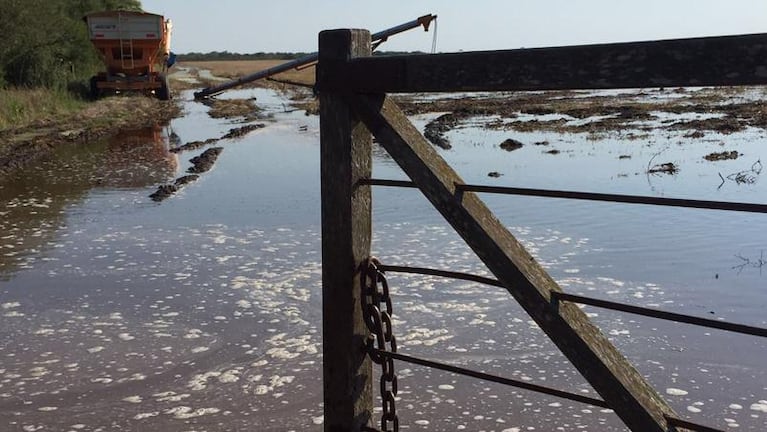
[{"x": 248, "y": 26}]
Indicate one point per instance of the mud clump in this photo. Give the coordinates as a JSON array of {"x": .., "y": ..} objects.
[
  {"x": 725, "y": 155},
  {"x": 233, "y": 133},
  {"x": 163, "y": 192},
  {"x": 194, "y": 145},
  {"x": 205, "y": 161},
  {"x": 241, "y": 131},
  {"x": 538, "y": 111},
  {"x": 185, "y": 180},
  {"x": 511, "y": 144},
  {"x": 725, "y": 125},
  {"x": 436, "y": 129},
  {"x": 229, "y": 108},
  {"x": 664, "y": 168}
]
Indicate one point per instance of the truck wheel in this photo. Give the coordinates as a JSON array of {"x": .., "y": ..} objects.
[
  {"x": 94, "y": 90},
  {"x": 163, "y": 93}
]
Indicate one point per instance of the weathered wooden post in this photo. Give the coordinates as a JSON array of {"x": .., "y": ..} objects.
[{"x": 346, "y": 157}]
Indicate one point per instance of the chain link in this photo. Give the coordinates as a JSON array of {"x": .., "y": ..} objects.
[{"x": 375, "y": 294}]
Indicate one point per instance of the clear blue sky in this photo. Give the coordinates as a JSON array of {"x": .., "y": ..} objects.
[{"x": 292, "y": 25}]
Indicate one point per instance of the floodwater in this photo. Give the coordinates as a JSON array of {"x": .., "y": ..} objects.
[{"x": 203, "y": 312}]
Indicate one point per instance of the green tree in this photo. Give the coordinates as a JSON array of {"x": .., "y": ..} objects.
[{"x": 45, "y": 42}]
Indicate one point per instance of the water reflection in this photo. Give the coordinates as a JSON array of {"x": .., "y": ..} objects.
[
  {"x": 203, "y": 312},
  {"x": 34, "y": 201}
]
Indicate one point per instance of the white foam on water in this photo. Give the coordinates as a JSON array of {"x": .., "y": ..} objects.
[
  {"x": 185, "y": 412},
  {"x": 13, "y": 314},
  {"x": 676, "y": 392},
  {"x": 48, "y": 408},
  {"x": 230, "y": 376},
  {"x": 170, "y": 396},
  {"x": 200, "y": 381}
]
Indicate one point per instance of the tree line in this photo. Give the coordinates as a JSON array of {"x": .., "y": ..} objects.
[{"x": 45, "y": 43}]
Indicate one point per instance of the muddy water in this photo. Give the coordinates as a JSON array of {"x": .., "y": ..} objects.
[{"x": 202, "y": 313}]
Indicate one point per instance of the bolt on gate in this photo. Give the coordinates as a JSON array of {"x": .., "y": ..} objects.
[{"x": 357, "y": 328}]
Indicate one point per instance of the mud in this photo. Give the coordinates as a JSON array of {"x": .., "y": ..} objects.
[
  {"x": 242, "y": 131},
  {"x": 593, "y": 113},
  {"x": 664, "y": 168},
  {"x": 205, "y": 161},
  {"x": 435, "y": 130},
  {"x": 233, "y": 133},
  {"x": 185, "y": 180},
  {"x": 104, "y": 118},
  {"x": 511, "y": 144},
  {"x": 194, "y": 145},
  {"x": 725, "y": 155},
  {"x": 230, "y": 108},
  {"x": 164, "y": 192}
]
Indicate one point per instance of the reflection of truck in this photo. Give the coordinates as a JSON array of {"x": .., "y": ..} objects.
[{"x": 135, "y": 47}]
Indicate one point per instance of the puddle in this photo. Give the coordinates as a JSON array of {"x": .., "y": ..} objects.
[{"x": 203, "y": 312}]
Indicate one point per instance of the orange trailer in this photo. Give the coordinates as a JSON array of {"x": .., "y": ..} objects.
[{"x": 135, "y": 47}]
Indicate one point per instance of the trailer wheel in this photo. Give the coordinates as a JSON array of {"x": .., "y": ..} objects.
[
  {"x": 94, "y": 89},
  {"x": 163, "y": 93}
]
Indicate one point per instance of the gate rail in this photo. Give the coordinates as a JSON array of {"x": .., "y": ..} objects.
[{"x": 353, "y": 105}]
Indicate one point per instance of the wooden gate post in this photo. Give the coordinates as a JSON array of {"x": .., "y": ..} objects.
[{"x": 346, "y": 157}]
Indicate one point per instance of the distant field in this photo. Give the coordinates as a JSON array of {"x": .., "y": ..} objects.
[{"x": 238, "y": 68}]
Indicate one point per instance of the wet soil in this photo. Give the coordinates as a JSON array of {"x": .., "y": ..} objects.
[
  {"x": 204, "y": 162},
  {"x": 164, "y": 192},
  {"x": 664, "y": 168},
  {"x": 233, "y": 133},
  {"x": 240, "y": 132},
  {"x": 511, "y": 144},
  {"x": 106, "y": 117},
  {"x": 230, "y": 108},
  {"x": 595, "y": 113},
  {"x": 200, "y": 164},
  {"x": 436, "y": 129},
  {"x": 725, "y": 155},
  {"x": 194, "y": 145}
]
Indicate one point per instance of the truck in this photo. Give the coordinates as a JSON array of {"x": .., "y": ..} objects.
[{"x": 135, "y": 49}]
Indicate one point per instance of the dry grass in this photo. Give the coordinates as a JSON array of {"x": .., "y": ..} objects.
[
  {"x": 238, "y": 68},
  {"x": 22, "y": 107}
]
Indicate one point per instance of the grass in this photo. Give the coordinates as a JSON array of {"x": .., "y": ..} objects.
[{"x": 22, "y": 107}]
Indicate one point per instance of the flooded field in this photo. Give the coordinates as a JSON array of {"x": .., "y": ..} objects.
[{"x": 203, "y": 312}]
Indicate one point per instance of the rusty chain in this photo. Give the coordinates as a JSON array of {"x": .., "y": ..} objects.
[{"x": 375, "y": 293}]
